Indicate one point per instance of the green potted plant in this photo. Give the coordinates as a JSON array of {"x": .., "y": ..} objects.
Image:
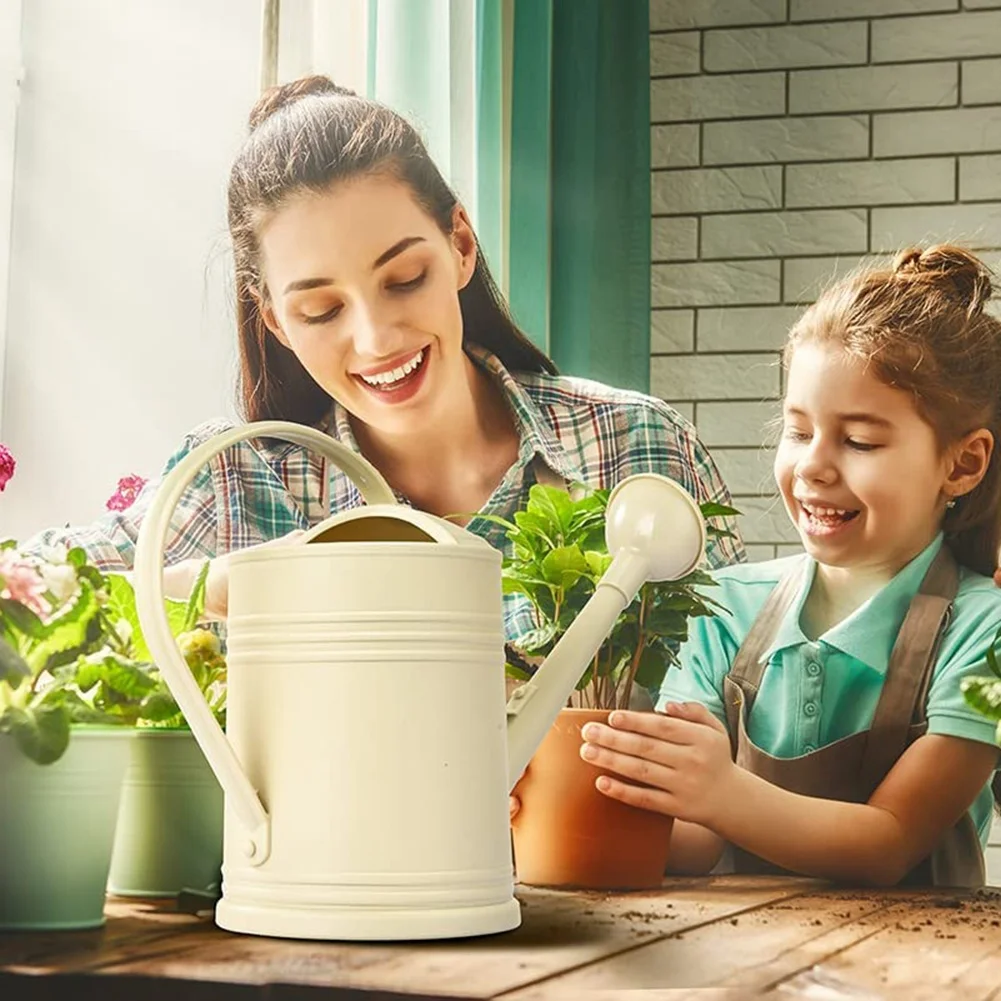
[
  {"x": 566, "y": 833},
  {"x": 64, "y": 743}
]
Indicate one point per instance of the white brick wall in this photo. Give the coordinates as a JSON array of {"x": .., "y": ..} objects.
[{"x": 793, "y": 139}]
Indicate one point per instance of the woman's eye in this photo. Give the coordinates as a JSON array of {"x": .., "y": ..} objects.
[
  {"x": 409, "y": 286},
  {"x": 323, "y": 317}
]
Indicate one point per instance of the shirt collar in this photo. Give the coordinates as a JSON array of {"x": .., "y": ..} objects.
[
  {"x": 535, "y": 434},
  {"x": 868, "y": 634}
]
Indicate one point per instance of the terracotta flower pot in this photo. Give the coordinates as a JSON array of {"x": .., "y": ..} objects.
[{"x": 568, "y": 834}]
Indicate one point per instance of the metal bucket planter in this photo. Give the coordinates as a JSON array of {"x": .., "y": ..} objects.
[
  {"x": 169, "y": 833},
  {"x": 57, "y": 828}
]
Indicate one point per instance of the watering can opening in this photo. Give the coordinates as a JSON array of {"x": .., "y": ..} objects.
[{"x": 372, "y": 529}]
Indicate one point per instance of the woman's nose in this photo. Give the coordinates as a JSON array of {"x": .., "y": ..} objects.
[{"x": 367, "y": 331}]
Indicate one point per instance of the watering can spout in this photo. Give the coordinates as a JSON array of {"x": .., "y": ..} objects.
[{"x": 655, "y": 532}]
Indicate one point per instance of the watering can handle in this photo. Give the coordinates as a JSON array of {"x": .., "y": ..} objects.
[{"x": 241, "y": 796}]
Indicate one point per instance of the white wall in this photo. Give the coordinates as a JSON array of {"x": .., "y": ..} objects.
[{"x": 119, "y": 333}]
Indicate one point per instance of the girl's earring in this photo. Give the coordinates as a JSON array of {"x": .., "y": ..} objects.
[{"x": 951, "y": 503}]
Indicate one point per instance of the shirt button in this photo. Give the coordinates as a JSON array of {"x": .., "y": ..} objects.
[
  {"x": 813, "y": 669},
  {"x": 810, "y": 708}
]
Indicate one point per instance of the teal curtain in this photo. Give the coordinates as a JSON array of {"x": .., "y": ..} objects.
[{"x": 580, "y": 210}]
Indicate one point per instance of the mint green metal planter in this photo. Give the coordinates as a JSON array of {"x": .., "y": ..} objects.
[
  {"x": 170, "y": 822},
  {"x": 57, "y": 828}
]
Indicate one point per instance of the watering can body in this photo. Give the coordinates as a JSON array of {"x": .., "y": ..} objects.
[{"x": 366, "y": 761}]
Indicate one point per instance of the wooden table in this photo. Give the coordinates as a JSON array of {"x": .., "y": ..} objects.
[{"x": 728, "y": 937}]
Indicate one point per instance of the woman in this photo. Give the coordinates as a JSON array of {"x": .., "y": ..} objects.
[{"x": 365, "y": 308}]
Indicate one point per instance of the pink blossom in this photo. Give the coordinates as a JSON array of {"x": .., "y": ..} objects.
[
  {"x": 23, "y": 583},
  {"x": 126, "y": 492},
  {"x": 7, "y": 465}
]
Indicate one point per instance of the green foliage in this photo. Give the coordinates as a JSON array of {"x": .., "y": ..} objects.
[
  {"x": 984, "y": 692},
  {"x": 72, "y": 652},
  {"x": 558, "y": 556}
]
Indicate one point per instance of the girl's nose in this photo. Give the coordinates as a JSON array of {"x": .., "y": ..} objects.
[{"x": 815, "y": 464}]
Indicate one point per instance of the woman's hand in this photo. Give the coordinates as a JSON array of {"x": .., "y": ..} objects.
[
  {"x": 179, "y": 578},
  {"x": 678, "y": 762}
]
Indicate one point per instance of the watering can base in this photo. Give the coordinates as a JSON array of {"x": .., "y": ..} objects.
[{"x": 379, "y": 924}]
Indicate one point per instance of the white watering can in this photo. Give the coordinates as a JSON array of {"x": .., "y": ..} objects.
[{"x": 368, "y": 751}]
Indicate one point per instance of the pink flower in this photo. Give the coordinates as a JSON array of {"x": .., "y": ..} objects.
[
  {"x": 23, "y": 583},
  {"x": 126, "y": 493},
  {"x": 7, "y": 465}
]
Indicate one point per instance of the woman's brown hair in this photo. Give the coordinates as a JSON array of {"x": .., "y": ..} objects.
[
  {"x": 922, "y": 328},
  {"x": 305, "y": 136}
]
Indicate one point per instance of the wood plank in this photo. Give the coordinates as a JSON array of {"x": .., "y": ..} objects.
[{"x": 560, "y": 931}]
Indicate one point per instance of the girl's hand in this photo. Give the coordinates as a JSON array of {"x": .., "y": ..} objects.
[{"x": 678, "y": 762}]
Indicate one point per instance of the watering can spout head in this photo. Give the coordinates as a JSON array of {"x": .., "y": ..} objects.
[{"x": 655, "y": 532}]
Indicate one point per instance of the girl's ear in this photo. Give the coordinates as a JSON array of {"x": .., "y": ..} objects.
[
  {"x": 968, "y": 462},
  {"x": 268, "y": 315},
  {"x": 463, "y": 245}
]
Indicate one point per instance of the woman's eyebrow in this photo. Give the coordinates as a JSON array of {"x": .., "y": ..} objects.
[{"x": 304, "y": 284}]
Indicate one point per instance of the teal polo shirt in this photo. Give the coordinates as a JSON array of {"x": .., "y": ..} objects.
[{"x": 816, "y": 692}]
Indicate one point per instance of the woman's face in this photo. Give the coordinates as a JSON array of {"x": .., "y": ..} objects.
[{"x": 362, "y": 285}]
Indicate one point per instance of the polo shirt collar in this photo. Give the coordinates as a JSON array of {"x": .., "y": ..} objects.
[{"x": 868, "y": 634}]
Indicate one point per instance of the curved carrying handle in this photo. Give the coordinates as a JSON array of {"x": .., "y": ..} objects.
[{"x": 240, "y": 794}]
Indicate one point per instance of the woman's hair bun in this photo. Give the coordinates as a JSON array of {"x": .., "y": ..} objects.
[
  {"x": 957, "y": 273},
  {"x": 283, "y": 94}
]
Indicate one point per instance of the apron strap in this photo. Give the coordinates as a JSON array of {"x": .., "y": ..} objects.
[
  {"x": 908, "y": 676},
  {"x": 748, "y": 666}
]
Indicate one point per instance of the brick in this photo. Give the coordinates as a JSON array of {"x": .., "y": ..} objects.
[
  {"x": 667, "y": 15},
  {"x": 804, "y": 278},
  {"x": 685, "y": 408},
  {"x": 982, "y": 81},
  {"x": 832, "y": 10},
  {"x": 718, "y": 283},
  {"x": 759, "y": 553},
  {"x": 919, "y": 133},
  {"x": 723, "y": 425},
  {"x": 674, "y": 146},
  {"x": 786, "y": 140},
  {"x": 675, "y": 239},
  {"x": 873, "y": 88},
  {"x": 714, "y": 377},
  {"x": 691, "y": 98},
  {"x": 717, "y": 190},
  {"x": 975, "y": 4},
  {"x": 979, "y": 178},
  {"x": 746, "y": 470},
  {"x": 782, "y": 234},
  {"x": 871, "y": 182},
  {"x": 675, "y": 54},
  {"x": 764, "y": 519},
  {"x": 745, "y": 328},
  {"x": 672, "y": 331},
  {"x": 787, "y": 47},
  {"x": 788, "y": 549},
  {"x": 974, "y": 226},
  {"x": 937, "y": 36}
]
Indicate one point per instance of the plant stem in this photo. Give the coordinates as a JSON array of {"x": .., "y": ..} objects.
[{"x": 622, "y": 699}]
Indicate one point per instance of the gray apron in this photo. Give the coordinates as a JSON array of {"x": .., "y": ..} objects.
[{"x": 851, "y": 768}]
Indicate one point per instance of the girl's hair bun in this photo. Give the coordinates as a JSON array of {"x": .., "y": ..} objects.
[
  {"x": 955, "y": 272},
  {"x": 284, "y": 94}
]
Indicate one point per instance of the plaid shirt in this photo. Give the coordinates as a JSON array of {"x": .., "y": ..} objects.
[{"x": 583, "y": 431}]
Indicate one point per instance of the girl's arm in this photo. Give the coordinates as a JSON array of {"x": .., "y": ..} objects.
[
  {"x": 685, "y": 758},
  {"x": 695, "y": 849}
]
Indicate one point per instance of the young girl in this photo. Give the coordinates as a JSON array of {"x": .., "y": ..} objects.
[{"x": 819, "y": 727}]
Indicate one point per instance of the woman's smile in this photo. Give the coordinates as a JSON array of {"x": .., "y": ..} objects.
[{"x": 397, "y": 381}]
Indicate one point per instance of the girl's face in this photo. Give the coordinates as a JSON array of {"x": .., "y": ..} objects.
[
  {"x": 861, "y": 473},
  {"x": 363, "y": 286}
]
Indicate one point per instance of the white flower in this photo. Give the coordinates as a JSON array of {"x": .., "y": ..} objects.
[
  {"x": 60, "y": 579},
  {"x": 124, "y": 630}
]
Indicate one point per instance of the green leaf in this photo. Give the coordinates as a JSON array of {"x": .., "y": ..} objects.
[
  {"x": 984, "y": 694},
  {"x": 42, "y": 732},
  {"x": 710, "y": 509},
  {"x": 654, "y": 662},
  {"x": 22, "y": 618},
  {"x": 564, "y": 566},
  {"x": 76, "y": 557},
  {"x": 75, "y": 630},
  {"x": 535, "y": 641},
  {"x": 553, "y": 504},
  {"x": 196, "y": 600},
  {"x": 13, "y": 667},
  {"x": 160, "y": 707}
]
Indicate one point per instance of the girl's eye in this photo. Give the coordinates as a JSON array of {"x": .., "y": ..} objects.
[
  {"x": 791, "y": 434},
  {"x": 861, "y": 446},
  {"x": 409, "y": 286},
  {"x": 323, "y": 317}
]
